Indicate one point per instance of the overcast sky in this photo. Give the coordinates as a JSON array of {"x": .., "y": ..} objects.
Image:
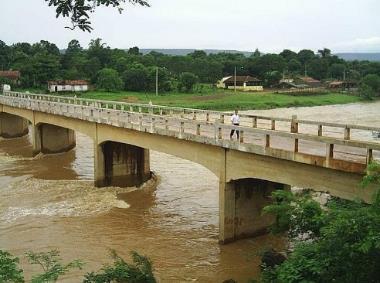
[{"x": 270, "y": 25}]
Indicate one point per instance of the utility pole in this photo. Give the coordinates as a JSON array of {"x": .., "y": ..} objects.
[
  {"x": 157, "y": 81},
  {"x": 235, "y": 80}
]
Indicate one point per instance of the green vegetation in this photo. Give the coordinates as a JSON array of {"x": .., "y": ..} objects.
[
  {"x": 79, "y": 11},
  {"x": 140, "y": 271},
  {"x": 9, "y": 270},
  {"x": 187, "y": 81},
  {"x": 43, "y": 61},
  {"x": 224, "y": 100},
  {"x": 121, "y": 271},
  {"x": 339, "y": 244},
  {"x": 370, "y": 87},
  {"x": 109, "y": 80}
]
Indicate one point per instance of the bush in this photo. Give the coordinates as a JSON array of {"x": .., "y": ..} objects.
[
  {"x": 9, "y": 270},
  {"x": 344, "y": 243},
  {"x": 187, "y": 81},
  {"x": 109, "y": 80},
  {"x": 121, "y": 271},
  {"x": 373, "y": 81},
  {"x": 135, "y": 78},
  {"x": 51, "y": 264},
  {"x": 366, "y": 92},
  {"x": 370, "y": 87}
]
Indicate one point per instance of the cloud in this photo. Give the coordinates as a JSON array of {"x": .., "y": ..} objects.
[{"x": 369, "y": 44}]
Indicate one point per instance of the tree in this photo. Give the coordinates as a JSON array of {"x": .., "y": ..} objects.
[
  {"x": 288, "y": 55},
  {"x": 4, "y": 55},
  {"x": 272, "y": 78},
  {"x": 325, "y": 52},
  {"x": 109, "y": 80},
  {"x": 9, "y": 270},
  {"x": 79, "y": 11},
  {"x": 140, "y": 271},
  {"x": 318, "y": 68},
  {"x": 344, "y": 240},
  {"x": 305, "y": 56},
  {"x": 366, "y": 92},
  {"x": 164, "y": 83},
  {"x": 134, "y": 51},
  {"x": 52, "y": 265},
  {"x": 198, "y": 54},
  {"x": 336, "y": 70},
  {"x": 98, "y": 49},
  {"x": 136, "y": 78},
  {"x": 373, "y": 81},
  {"x": 187, "y": 81},
  {"x": 294, "y": 66},
  {"x": 257, "y": 53}
]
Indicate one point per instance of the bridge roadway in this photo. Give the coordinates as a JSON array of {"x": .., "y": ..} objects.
[{"x": 271, "y": 153}]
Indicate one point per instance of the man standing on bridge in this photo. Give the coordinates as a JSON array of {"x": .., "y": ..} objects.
[{"x": 235, "y": 119}]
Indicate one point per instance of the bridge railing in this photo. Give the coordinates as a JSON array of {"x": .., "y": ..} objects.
[
  {"x": 292, "y": 125},
  {"x": 307, "y": 148}
]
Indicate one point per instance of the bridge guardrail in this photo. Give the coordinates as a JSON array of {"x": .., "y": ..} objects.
[
  {"x": 214, "y": 133},
  {"x": 209, "y": 116}
]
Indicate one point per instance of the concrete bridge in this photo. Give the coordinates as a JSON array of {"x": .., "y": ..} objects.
[{"x": 271, "y": 153}]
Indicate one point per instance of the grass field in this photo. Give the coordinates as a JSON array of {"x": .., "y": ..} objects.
[
  {"x": 223, "y": 99},
  {"x": 226, "y": 101}
]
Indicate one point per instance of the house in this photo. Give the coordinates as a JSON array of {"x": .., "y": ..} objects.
[
  {"x": 243, "y": 83},
  {"x": 289, "y": 83},
  {"x": 347, "y": 84},
  {"x": 13, "y": 76},
  {"x": 309, "y": 81},
  {"x": 221, "y": 83},
  {"x": 68, "y": 85}
]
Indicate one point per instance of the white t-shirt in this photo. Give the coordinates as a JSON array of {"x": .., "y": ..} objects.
[{"x": 235, "y": 119}]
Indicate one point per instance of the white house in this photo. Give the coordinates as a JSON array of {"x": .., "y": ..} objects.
[
  {"x": 243, "y": 83},
  {"x": 68, "y": 85}
]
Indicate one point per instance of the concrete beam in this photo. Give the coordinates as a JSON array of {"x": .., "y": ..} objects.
[{"x": 341, "y": 184}]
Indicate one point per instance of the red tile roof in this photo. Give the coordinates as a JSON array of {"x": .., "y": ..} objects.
[
  {"x": 242, "y": 79},
  {"x": 309, "y": 80},
  {"x": 12, "y": 75},
  {"x": 68, "y": 82}
]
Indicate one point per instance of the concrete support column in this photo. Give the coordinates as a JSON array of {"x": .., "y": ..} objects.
[
  {"x": 12, "y": 126},
  {"x": 121, "y": 165},
  {"x": 51, "y": 139},
  {"x": 241, "y": 204}
]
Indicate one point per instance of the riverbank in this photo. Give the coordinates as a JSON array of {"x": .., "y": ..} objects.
[
  {"x": 223, "y": 100},
  {"x": 228, "y": 100}
]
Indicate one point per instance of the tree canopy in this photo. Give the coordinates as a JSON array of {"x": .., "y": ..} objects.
[
  {"x": 340, "y": 243},
  {"x": 43, "y": 61}
]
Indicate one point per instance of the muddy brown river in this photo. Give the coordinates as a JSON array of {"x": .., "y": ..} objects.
[{"x": 49, "y": 202}]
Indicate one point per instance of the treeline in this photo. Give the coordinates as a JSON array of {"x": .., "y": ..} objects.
[{"x": 130, "y": 70}]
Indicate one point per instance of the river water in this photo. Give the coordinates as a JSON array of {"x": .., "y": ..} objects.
[{"x": 49, "y": 202}]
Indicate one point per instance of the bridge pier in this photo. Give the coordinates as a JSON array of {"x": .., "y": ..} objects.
[
  {"x": 121, "y": 165},
  {"x": 50, "y": 139},
  {"x": 241, "y": 204},
  {"x": 12, "y": 126}
]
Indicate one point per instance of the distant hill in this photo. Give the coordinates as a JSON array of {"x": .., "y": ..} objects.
[
  {"x": 182, "y": 52},
  {"x": 359, "y": 56}
]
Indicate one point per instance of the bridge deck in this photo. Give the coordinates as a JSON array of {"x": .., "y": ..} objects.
[{"x": 338, "y": 146}]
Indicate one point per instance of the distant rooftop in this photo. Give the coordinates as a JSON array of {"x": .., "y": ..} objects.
[
  {"x": 68, "y": 82},
  {"x": 12, "y": 75}
]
